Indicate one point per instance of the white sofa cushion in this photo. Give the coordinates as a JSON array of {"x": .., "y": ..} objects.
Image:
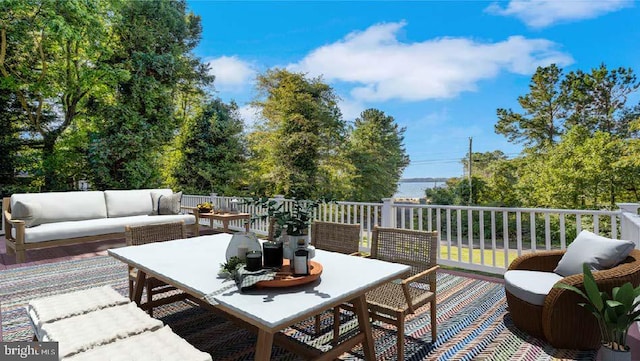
[
  {"x": 29, "y": 212},
  {"x": 530, "y": 286},
  {"x": 135, "y": 202},
  {"x": 596, "y": 251},
  {"x": 94, "y": 227},
  {"x": 65, "y": 206}
]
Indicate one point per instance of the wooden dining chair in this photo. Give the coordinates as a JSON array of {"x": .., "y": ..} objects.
[
  {"x": 392, "y": 302},
  {"x": 335, "y": 237},
  {"x": 138, "y": 235}
]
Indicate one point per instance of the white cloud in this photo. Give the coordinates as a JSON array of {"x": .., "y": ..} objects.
[
  {"x": 351, "y": 109},
  {"x": 383, "y": 68},
  {"x": 250, "y": 115},
  {"x": 232, "y": 74},
  {"x": 543, "y": 13}
]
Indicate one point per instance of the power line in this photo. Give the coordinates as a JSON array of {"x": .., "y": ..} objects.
[{"x": 454, "y": 160}]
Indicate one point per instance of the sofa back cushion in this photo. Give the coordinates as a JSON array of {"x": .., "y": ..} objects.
[
  {"x": 59, "y": 206},
  {"x": 136, "y": 202}
]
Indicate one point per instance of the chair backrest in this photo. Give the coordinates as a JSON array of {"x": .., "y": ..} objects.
[
  {"x": 336, "y": 237},
  {"x": 137, "y": 235},
  {"x": 418, "y": 249}
]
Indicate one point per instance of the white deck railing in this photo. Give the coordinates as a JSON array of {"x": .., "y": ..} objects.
[{"x": 475, "y": 238}]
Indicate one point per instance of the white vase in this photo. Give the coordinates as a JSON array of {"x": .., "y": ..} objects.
[
  {"x": 609, "y": 354},
  {"x": 241, "y": 243}
]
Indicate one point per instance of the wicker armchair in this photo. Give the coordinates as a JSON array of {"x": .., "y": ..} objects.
[
  {"x": 138, "y": 235},
  {"x": 561, "y": 321},
  {"x": 392, "y": 302},
  {"x": 335, "y": 237}
]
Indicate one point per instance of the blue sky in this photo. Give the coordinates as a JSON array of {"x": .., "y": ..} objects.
[{"x": 440, "y": 68}]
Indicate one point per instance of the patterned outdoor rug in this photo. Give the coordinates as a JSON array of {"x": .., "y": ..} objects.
[{"x": 473, "y": 323}]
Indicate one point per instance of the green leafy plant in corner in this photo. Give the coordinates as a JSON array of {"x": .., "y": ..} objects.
[
  {"x": 294, "y": 221},
  {"x": 615, "y": 313}
]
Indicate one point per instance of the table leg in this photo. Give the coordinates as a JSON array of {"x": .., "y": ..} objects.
[
  {"x": 137, "y": 295},
  {"x": 263, "y": 348},
  {"x": 246, "y": 226},
  {"x": 361, "y": 309},
  {"x": 225, "y": 225}
]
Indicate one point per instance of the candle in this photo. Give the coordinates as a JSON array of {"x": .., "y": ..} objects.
[
  {"x": 242, "y": 252},
  {"x": 254, "y": 261},
  {"x": 301, "y": 262},
  {"x": 273, "y": 253}
]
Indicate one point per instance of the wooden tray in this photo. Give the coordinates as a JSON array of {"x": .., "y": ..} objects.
[{"x": 285, "y": 278}]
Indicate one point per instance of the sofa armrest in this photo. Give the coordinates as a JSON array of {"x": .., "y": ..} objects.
[
  {"x": 190, "y": 208},
  {"x": 19, "y": 225},
  {"x": 545, "y": 261},
  {"x": 196, "y": 213}
]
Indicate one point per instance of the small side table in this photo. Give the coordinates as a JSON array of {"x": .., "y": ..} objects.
[{"x": 225, "y": 218}]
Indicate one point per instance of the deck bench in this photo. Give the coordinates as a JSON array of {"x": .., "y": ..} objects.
[
  {"x": 40, "y": 220},
  {"x": 102, "y": 324}
]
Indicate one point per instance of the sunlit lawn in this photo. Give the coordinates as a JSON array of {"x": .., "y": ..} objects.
[{"x": 477, "y": 255}]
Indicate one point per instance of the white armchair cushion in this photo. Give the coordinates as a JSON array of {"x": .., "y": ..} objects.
[
  {"x": 596, "y": 251},
  {"x": 64, "y": 206},
  {"x": 136, "y": 202},
  {"x": 530, "y": 286}
]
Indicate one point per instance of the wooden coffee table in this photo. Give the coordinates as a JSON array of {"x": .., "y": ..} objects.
[{"x": 225, "y": 218}]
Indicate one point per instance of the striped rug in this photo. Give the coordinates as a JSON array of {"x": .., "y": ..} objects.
[{"x": 473, "y": 322}]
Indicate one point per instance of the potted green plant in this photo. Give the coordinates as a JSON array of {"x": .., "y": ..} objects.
[
  {"x": 293, "y": 221},
  {"x": 615, "y": 313}
]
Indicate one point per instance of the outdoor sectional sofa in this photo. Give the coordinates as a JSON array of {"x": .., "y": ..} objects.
[{"x": 39, "y": 220}]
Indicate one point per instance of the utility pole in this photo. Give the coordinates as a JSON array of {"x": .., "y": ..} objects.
[{"x": 470, "y": 162}]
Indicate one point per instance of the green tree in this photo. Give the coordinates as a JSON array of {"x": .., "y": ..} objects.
[
  {"x": 212, "y": 151},
  {"x": 539, "y": 125},
  {"x": 598, "y": 99},
  {"x": 9, "y": 141},
  {"x": 300, "y": 131},
  {"x": 376, "y": 150},
  {"x": 482, "y": 162},
  {"x": 138, "y": 119},
  {"x": 51, "y": 56},
  {"x": 576, "y": 173},
  {"x": 456, "y": 192}
]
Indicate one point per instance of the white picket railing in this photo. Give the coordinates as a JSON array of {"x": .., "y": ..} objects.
[{"x": 475, "y": 238}]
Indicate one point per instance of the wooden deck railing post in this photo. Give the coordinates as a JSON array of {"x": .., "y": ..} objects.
[
  {"x": 630, "y": 222},
  {"x": 388, "y": 215}
]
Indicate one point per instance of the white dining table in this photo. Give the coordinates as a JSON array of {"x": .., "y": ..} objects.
[{"x": 192, "y": 265}]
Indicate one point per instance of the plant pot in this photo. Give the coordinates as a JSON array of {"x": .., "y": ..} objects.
[
  {"x": 608, "y": 354},
  {"x": 291, "y": 244}
]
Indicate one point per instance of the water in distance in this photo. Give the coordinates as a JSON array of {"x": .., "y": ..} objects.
[{"x": 414, "y": 189}]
